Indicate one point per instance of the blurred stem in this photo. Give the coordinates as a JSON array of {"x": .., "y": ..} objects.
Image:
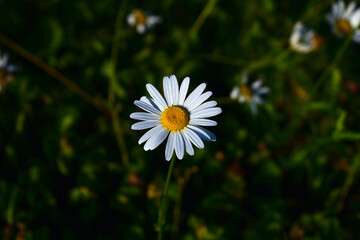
[
  {"x": 177, "y": 210},
  {"x": 11, "y": 206},
  {"x": 119, "y": 133},
  {"x": 115, "y": 50},
  {"x": 268, "y": 62},
  {"x": 164, "y": 201},
  {"x": 202, "y": 17},
  {"x": 265, "y": 62},
  {"x": 349, "y": 181},
  {"x": 224, "y": 59},
  {"x": 332, "y": 65},
  {"x": 115, "y": 109},
  {"x": 315, "y": 10},
  {"x": 54, "y": 73}
]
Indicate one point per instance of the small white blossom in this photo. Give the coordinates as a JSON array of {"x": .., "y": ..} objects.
[
  {"x": 251, "y": 94},
  {"x": 304, "y": 40},
  {"x": 6, "y": 71},
  {"x": 142, "y": 21}
]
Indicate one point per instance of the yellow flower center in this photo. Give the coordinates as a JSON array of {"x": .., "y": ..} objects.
[
  {"x": 246, "y": 92},
  {"x": 175, "y": 118},
  {"x": 317, "y": 41},
  {"x": 140, "y": 16},
  {"x": 343, "y": 27}
]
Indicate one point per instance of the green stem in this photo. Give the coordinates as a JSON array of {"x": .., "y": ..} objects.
[
  {"x": 224, "y": 59},
  {"x": 119, "y": 134},
  {"x": 333, "y": 64},
  {"x": 164, "y": 201},
  {"x": 117, "y": 35},
  {"x": 349, "y": 181},
  {"x": 54, "y": 73},
  {"x": 118, "y": 129},
  {"x": 182, "y": 181},
  {"x": 267, "y": 62},
  {"x": 11, "y": 206},
  {"x": 202, "y": 17},
  {"x": 315, "y": 10}
]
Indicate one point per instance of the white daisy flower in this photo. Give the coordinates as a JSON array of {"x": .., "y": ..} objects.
[
  {"x": 6, "y": 71},
  {"x": 5, "y": 66},
  {"x": 142, "y": 20},
  {"x": 252, "y": 95},
  {"x": 344, "y": 20},
  {"x": 179, "y": 118},
  {"x": 304, "y": 40}
]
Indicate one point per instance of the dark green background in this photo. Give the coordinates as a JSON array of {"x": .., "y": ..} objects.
[{"x": 291, "y": 172}]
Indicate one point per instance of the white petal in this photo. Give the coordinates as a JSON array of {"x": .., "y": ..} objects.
[
  {"x": 203, "y": 97},
  {"x": 150, "y": 101},
  {"x": 179, "y": 146},
  {"x": 144, "y": 125},
  {"x": 154, "y": 93},
  {"x": 258, "y": 99},
  {"x": 194, "y": 95},
  {"x": 167, "y": 90},
  {"x": 356, "y": 36},
  {"x": 11, "y": 68},
  {"x": 341, "y": 8},
  {"x": 263, "y": 90},
  {"x": 201, "y": 133},
  {"x": 140, "y": 28},
  {"x": 349, "y": 10},
  {"x": 204, "y": 106},
  {"x": 131, "y": 19},
  {"x": 205, "y": 113},
  {"x": 4, "y": 59},
  {"x": 150, "y": 133},
  {"x": 242, "y": 99},
  {"x": 144, "y": 116},
  {"x": 188, "y": 146},
  {"x": 203, "y": 122},
  {"x": 330, "y": 18},
  {"x": 170, "y": 145},
  {"x": 245, "y": 79},
  {"x": 174, "y": 90},
  {"x": 146, "y": 100},
  {"x": 152, "y": 20},
  {"x": 334, "y": 9},
  {"x": 355, "y": 19},
  {"x": 193, "y": 137},
  {"x": 183, "y": 90},
  {"x": 147, "y": 107},
  {"x": 253, "y": 107},
  {"x": 156, "y": 139},
  {"x": 210, "y": 134},
  {"x": 235, "y": 92},
  {"x": 255, "y": 85}
]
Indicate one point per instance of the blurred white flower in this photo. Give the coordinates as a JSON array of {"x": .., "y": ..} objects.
[
  {"x": 345, "y": 20},
  {"x": 177, "y": 117},
  {"x": 6, "y": 71},
  {"x": 143, "y": 21},
  {"x": 304, "y": 40},
  {"x": 251, "y": 94}
]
